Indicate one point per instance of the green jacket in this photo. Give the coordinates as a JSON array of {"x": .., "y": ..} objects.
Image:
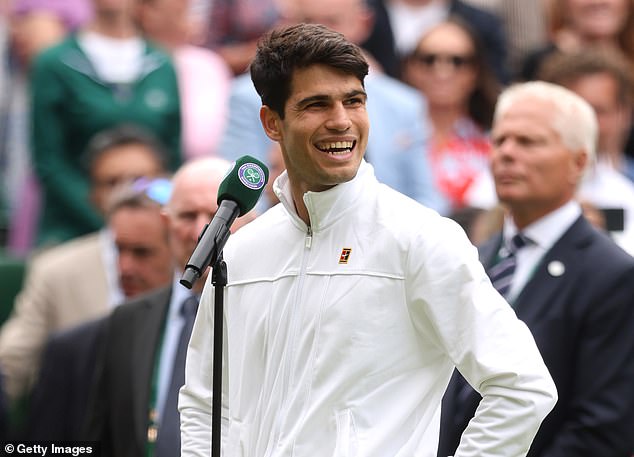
[{"x": 69, "y": 105}]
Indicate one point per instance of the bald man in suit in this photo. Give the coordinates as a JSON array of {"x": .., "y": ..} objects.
[{"x": 137, "y": 355}]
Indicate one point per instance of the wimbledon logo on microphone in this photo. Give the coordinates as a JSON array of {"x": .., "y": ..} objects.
[{"x": 251, "y": 175}]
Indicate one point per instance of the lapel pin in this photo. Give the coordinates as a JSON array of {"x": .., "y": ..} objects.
[{"x": 556, "y": 268}]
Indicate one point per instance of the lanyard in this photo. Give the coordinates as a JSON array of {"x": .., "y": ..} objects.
[{"x": 153, "y": 419}]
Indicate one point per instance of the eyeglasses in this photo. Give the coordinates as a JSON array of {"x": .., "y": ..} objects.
[
  {"x": 157, "y": 189},
  {"x": 456, "y": 61}
]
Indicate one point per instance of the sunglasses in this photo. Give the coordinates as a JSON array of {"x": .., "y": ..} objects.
[
  {"x": 157, "y": 189},
  {"x": 431, "y": 59}
]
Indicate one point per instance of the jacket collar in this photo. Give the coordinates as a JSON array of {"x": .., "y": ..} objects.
[
  {"x": 327, "y": 207},
  {"x": 74, "y": 57}
]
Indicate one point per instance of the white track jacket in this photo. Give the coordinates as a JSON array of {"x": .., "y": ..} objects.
[{"x": 340, "y": 339}]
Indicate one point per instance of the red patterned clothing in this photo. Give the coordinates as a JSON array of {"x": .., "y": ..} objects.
[{"x": 459, "y": 159}]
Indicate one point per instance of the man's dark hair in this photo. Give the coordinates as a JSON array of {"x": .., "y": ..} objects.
[
  {"x": 123, "y": 135},
  {"x": 282, "y": 51}
]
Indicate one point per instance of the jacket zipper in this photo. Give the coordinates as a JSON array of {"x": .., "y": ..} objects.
[{"x": 294, "y": 329}]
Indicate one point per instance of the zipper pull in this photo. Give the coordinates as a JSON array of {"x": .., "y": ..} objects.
[{"x": 309, "y": 238}]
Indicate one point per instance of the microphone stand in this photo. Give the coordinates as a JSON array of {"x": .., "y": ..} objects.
[{"x": 219, "y": 281}]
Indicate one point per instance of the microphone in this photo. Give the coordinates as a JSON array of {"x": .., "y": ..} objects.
[{"x": 238, "y": 193}]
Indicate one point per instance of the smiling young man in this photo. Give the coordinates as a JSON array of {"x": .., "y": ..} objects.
[{"x": 348, "y": 304}]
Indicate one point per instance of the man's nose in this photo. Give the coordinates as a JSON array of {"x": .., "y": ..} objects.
[
  {"x": 126, "y": 262},
  {"x": 339, "y": 118},
  {"x": 505, "y": 148}
]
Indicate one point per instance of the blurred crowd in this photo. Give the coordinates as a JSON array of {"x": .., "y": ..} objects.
[
  {"x": 103, "y": 100},
  {"x": 179, "y": 69}
]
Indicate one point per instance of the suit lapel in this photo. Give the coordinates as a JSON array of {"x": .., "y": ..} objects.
[
  {"x": 148, "y": 326},
  {"x": 556, "y": 270},
  {"x": 488, "y": 251}
]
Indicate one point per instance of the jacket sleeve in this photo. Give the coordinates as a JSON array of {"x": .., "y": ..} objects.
[
  {"x": 415, "y": 165},
  {"x": 195, "y": 398},
  {"x": 23, "y": 336},
  {"x": 451, "y": 297}
]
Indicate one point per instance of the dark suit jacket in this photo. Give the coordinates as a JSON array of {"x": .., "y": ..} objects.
[
  {"x": 59, "y": 400},
  {"x": 486, "y": 25},
  {"x": 120, "y": 401},
  {"x": 583, "y": 323}
]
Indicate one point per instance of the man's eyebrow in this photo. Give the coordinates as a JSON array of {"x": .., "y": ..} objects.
[
  {"x": 313, "y": 98},
  {"x": 322, "y": 98},
  {"x": 355, "y": 93}
]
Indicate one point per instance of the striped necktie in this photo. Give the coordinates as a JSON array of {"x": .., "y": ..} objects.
[{"x": 501, "y": 273}]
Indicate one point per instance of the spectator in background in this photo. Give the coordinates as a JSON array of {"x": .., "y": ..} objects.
[
  {"x": 234, "y": 27},
  {"x": 401, "y": 23},
  {"x": 567, "y": 281},
  {"x": 449, "y": 68},
  {"x": 524, "y": 25},
  {"x": 204, "y": 79},
  {"x": 79, "y": 280},
  {"x": 59, "y": 401},
  {"x": 603, "y": 79},
  {"x": 34, "y": 25},
  {"x": 575, "y": 25},
  {"x": 77, "y": 91},
  {"x": 133, "y": 407},
  {"x": 397, "y": 146}
]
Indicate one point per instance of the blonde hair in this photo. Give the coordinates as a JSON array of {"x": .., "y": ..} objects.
[{"x": 573, "y": 118}]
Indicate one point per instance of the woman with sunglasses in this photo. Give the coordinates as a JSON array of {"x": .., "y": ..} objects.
[{"x": 449, "y": 68}]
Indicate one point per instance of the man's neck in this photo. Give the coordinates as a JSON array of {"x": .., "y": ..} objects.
[{"x": 118, "y": 26}]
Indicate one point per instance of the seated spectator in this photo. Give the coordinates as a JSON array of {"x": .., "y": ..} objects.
[
  {"x": 78, "y": 280},
  {"x": 449, "y": 68},
  {"x": 524, "y": 23},
  {"x": 234, "y": 26},
  {"x": 401, "y": 23},
  {"x": 603, "y": 79},
  {"x": 77, "y": 92},
  {"x": 34, "y": 26},
  {"x": 574, "y": 25},
  {"x": 60, "y": 396}
]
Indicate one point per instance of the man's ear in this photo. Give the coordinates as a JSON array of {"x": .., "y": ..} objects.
[
  {"x": 582, "y": 162},
  {"x": 271, "y": 123}
]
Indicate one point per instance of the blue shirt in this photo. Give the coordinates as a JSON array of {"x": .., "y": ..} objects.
[{"x": 173, "y": 326}]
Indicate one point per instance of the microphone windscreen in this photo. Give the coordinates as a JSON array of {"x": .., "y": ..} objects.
[{"x": 244, "y": 183}]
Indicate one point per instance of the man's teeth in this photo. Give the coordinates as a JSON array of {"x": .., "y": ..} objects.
[{"x": 337, "y": 147}]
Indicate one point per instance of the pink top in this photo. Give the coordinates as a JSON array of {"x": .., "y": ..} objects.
[{"x": 205, "y": 83}]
